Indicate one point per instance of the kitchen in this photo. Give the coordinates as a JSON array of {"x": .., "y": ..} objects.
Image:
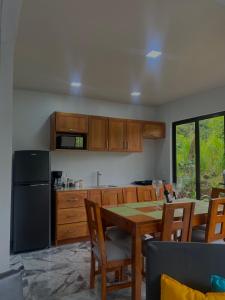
[
  {"x": 98, "y": 134},
  {"x": 117, "y": 91}
]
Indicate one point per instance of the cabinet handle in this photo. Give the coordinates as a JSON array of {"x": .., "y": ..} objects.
[
  {"x": 71, "y": 129},
  {"x": 107, "y": 144}
]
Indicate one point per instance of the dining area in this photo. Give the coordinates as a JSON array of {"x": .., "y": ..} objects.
[{"x": 119, "y": 233}]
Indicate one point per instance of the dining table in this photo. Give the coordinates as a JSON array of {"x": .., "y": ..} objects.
[{"x": 141, "y": 218}]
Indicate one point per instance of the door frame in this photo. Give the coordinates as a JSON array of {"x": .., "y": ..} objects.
[{"x": 194, "y": 120}]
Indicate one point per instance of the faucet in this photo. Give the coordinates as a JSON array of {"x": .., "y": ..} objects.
[{"x": 98, "y": 177}]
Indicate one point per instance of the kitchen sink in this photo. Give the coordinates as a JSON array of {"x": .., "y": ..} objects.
[{"x": 102, "y": 186}]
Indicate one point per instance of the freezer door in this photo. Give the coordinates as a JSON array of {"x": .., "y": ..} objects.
[
  {"x": 31, "y": 166},
  {"x": 31, "y": 218}
]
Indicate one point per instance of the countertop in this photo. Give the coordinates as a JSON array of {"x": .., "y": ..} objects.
[{"x": 85, "y": 188}]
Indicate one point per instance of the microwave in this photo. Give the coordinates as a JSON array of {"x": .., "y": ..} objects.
[{"x": 76, "y": 141}]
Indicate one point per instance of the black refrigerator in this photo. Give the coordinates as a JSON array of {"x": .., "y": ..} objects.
[{"x": 30, "y": 201}]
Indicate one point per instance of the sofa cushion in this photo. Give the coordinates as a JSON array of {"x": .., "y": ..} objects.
[
  {"x": 171, "y": 289},
  {"x": 190, "y": 263},
  {"x": 218, "y": 283},
  {"x": 113, "y": 252}
]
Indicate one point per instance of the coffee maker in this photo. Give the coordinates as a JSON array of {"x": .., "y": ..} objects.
[{"x": 56, "y": 178}]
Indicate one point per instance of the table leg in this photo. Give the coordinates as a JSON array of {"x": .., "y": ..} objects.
[{"x": 136, "y": 266}]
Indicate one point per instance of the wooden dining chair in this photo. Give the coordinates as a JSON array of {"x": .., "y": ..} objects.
[
  {"x": 215, "y": 227},
  {"x": 177, "y": 221},
  {"x": 216, "y": 192},
  {"x": 110, "y": 258}
]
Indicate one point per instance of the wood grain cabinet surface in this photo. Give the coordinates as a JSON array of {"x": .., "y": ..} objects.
[
  {"x": 146, "y": 193},
  {"x": 71, "y": 220},
  {"x": 154, "y": 130},
  {"x": 134, "y": 136},
  {"x": 112, "y": 196},
  {"x": 98, "y": 134},
  {"x": 73, "y": 123},
  {"x": 117, "y": 135},
  {"x": 130, "y": 195}
]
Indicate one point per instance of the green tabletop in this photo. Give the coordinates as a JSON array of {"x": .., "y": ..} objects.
[{"x": 154, "y": 209}]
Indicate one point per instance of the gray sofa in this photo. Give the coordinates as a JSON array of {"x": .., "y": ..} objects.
[
  {"x": 11, "y": 285},
  {"x": 190, "y": 263}
]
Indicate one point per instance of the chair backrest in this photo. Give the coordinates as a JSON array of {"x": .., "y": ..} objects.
[
  {"x": 95, "y": 228},
  {"x": 216, "y": 192},
  {"x": 177, "y": 218},
  {"x": 215, "y": 229}
]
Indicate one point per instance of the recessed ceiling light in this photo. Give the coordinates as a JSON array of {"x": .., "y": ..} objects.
[
  {"x": 154, "y": 54},
  {"x": 135, "y": 94},
  {"x": 76, "y": 84}
]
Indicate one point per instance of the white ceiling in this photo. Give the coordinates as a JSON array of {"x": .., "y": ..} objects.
[{"x": 103, "y": 44}]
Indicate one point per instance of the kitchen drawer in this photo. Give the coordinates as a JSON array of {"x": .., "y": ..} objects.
[
  {"x": 71, "y": 231},
  {"x": 70, "y": 199},
  {"x": 71, "y": 215}
]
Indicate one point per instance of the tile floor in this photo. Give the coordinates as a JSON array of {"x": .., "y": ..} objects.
[{"x": 61, "y": 273}]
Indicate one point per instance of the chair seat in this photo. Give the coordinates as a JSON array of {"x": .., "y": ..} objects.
[
  {"x": 113, "y": 252},
  {"x": 114, "y": 234},
  {"x": 198, "y": 234}
]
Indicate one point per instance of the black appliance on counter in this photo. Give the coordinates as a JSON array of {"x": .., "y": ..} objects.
[
  {"x": 30, "y": 201},
  {"x": 56, "y": 178},
  {"x": 143, "y": 182}
]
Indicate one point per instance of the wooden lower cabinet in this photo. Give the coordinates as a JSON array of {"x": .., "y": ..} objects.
[
  {"x": 95, "y": 195},
  {"x": 112, "y": 196},
  {"x": 72, "y": 231},
  {"x": 130, "y": 195},
  {"x": 71, "y": 219},
  {"x": 146, "y": 193}
]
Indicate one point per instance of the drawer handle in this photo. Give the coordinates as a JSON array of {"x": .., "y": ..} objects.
[{"x": 72, "y": 200}]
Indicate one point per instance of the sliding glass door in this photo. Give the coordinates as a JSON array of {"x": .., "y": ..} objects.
[{"x": 198, "y": 154}]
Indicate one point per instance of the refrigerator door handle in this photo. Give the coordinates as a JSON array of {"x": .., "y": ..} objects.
[{"x": 39, "y": 184}]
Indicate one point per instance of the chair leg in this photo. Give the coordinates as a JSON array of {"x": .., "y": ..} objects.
[
  {"x": 92, "y": 273},
  {"x": 103, "y": 283}
]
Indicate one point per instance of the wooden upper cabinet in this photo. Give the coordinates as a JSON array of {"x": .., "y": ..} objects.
[
  {"x": 98, "y": 134},
  {"x": 74, "y": 123},
  {"x": 134, "y": 136},
  {"x": 154, "y": 130},
  {"x": 117, "y": 135}
]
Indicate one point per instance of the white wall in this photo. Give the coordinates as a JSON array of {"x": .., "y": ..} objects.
[
  {"x": 31, "y": 131},
  {"x": 9, "y": 10},
  {"x": 200, "y": 104}
]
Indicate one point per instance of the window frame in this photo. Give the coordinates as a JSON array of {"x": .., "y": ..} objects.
[{"x": 194, "y": 120}]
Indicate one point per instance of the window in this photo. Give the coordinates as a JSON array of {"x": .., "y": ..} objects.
[{"x": 198, "y": 154}]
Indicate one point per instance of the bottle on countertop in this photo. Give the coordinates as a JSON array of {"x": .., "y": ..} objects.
[{"x": 167, "y": 194}]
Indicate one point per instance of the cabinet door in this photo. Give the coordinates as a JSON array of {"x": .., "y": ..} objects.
[
  {"x": 95, "y": 195},
  {"x": 130, "y": 195},
  {"x": 146, "y": 193},
  {"x": 112, "y": 196},
  {"x": 153, "y": 130},
  {"x": 117, "y": 134},
  {"x": 73, "y": 123},
  {"x": 134, "y": 136},
  {"x": 98, "y": 134}
]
